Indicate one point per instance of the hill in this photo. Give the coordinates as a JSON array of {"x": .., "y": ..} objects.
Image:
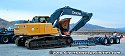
[
  {"x": 6, "y": 24},
  {"x": 3, "y": 23},
  {"x": 96, "y": 28},
  {"x": 87, "y": 27}
]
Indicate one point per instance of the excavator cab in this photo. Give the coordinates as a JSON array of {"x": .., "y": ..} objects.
[
  {"x": 63, "y": 24},
  {"x": 40, "y": 19}
]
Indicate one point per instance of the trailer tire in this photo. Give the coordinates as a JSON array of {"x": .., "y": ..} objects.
[
  {"x": 116, "y": 40},
  {"x": 97, "y": 40},
  {"x": 14, "y": 38},
  {"x": 4, "y": 39},
  {"x": 110, "y": 40},
  {"x": 103, "y": 40}
]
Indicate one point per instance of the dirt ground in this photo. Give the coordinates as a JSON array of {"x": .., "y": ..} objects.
[{"x": 13, "y": 50}]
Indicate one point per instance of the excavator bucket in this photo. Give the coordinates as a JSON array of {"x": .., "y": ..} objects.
[{"x": 64, "y": 26}]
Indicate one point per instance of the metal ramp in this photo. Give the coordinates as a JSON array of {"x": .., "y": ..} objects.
[{"x": 83, "y": 42}]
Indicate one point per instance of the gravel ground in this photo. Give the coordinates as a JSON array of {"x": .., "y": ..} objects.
[{"x": 13, "y": 50}]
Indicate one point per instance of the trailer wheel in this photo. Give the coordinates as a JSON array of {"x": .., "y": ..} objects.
[
  {"x": 110, "y": 41},
  {"x": 14, "y": 38},
  {"x": 103, "y": 41},
  {"x": 4, "y": 39},
  {"x": 97, "y": 40},
  {"x": 117, "y": 40}
]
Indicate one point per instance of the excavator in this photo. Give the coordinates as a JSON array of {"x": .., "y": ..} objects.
[{"x": 45, "y": 31}]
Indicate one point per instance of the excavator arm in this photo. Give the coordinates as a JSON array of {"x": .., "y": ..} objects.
[
  {"x": 70, "y": 11},
  {"x": 81, "y": 22}
]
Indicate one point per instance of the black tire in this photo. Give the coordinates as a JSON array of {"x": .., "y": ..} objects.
[
  {"x": 110, "y": 40},
  {"x": 116, "y": 40},
  {"x": 103, "y": 40},
  {"x": 14, "y": 38},
  {"x": 4, "y": 39},
  {"x": 97, "y": 40},
  {"x": 100, "y": 40}
]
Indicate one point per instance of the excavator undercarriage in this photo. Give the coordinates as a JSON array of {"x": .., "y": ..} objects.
[{"x": 49, "y": 41}]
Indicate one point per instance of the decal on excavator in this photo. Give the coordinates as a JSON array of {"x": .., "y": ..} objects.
[
  {"x": 32, "y": 29},
  {"x": 76, "y": 13}
]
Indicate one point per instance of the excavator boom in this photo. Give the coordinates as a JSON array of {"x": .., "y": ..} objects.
[
  {"x": 70, "y": 11},
  {"x": 81, "y": 23}
]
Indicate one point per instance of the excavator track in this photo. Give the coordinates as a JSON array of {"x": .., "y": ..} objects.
[{"x": 45, "y": 42}]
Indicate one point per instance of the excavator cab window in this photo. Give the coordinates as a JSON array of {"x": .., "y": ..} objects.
[
  {"x": 40, "y": 19},
  {"x": 35, "y": 20}
]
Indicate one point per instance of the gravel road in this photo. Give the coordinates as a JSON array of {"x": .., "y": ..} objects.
[{"x": 13, "y": 50}]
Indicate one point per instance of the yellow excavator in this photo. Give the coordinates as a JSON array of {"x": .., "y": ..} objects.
[{"x": 45, "y": 31}]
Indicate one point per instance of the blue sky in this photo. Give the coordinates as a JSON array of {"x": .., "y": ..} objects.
[{"x": 107, "y": 13}]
